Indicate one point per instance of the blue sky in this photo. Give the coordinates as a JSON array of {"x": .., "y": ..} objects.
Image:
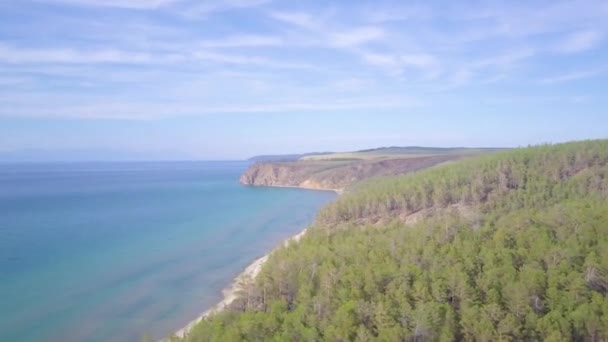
[{"x": 226, "y": 79}]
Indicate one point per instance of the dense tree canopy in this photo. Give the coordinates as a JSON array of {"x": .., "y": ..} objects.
[{"x": 511, "y": 246}]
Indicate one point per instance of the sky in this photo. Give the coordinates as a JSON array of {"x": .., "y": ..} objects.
[{"x": 228, "y": 79}]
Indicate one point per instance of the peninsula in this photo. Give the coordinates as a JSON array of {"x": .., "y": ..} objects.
[{"x": 337, "y": 171}]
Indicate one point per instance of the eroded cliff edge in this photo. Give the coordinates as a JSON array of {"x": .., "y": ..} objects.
[{"x": 333, "y": 174}]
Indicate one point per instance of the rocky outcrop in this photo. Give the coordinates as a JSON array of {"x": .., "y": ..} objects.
[
  {"x": 333, "y": 175},
  {"x": 296, "y": 174}
]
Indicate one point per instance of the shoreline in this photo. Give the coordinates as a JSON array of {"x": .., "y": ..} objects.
[
  {"x": 230, "y": 293},
  {"x": 337, "y": 191}
]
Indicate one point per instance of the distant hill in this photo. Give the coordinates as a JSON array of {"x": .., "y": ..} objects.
[
  {"x": 389, "y": 151},
  {"x": 284, "y": 157},
  {"x": 401, "y": 152},
  {"x": 423, "y": 150}
]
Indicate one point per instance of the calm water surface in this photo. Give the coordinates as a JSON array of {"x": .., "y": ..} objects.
[{"x": 113, "y": 251}]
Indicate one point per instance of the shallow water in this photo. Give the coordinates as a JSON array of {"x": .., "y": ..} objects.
[{"x": 113, "y": 251}]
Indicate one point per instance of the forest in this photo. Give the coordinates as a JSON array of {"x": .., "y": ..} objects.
[{"x": 507, "y": 246}]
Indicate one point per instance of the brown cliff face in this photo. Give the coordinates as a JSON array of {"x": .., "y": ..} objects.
[
  {"x": 298, "y": 174},
  {"x": 333, "y": 175}
]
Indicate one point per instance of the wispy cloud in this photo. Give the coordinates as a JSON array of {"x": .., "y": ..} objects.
[
  {"x": 351, "y": 84},
  {"x": 245, "y": 40},
  {"x": 325, "y": 34},
  {"x": 307, "y": 54},
  {"x": 402, "y": 12},
  {"x": 13, "y": 55},
  {"x": 148, "y": 111},
  {"x": 197, "y": 9},
  {"x": 572, "y": 76},
  {"x": 398, "y": 63},
  {"x": 506, "y": 59},
  {"x": 131, "y": 4},
  {"x": 579, "y": 42},
  {"x": 190, "y": 9},
  {"x": 249, "y": 60},
  {"x": 299, "y": 19},
  {"x": 357, "y": 36}
]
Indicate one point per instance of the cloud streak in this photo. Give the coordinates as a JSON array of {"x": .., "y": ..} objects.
[
  {"x": 12, "y": 55},
  {"x": 579, "y": 42},
  {"x": 152, "y": 111},
  {"x": 572, "y": 76},
  {"x": 128, "y": 4},
  {"x": 243, "y": 41},
  {"x": 306, "y": 55}
]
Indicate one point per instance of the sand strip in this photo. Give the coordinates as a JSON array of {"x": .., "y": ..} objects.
[
  {"x": 337, "y": 191},
  {"x": 240, "y": 282}
]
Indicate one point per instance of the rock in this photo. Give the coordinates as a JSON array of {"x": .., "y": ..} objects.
[{"x": 333, "y": 175}]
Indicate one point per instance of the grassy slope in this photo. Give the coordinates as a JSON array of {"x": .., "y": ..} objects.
[
  {"x": 531, "y": 263},
  {"x": 399, "y": 152}
]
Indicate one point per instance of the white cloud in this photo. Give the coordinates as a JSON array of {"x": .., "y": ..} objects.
[
  {"x": 14, "y": 55},
  {"x": 397, "y": 63},
  {"x": 187, "y": 8},
  {"x": 579, "y": 42},
  {"x": 505, "y": 60},
  {"x": 204, "y": 8},
  {"x": 245, "y": 40},
  {"x": 383, "y": 60},
  {"x": 249, "y": 60},
  {"x": 418, "y": 60},
  {"x": 132, "y": 4},
  {"x": 572, "y": 76},
  {"x": 376, "y": 14},
  {"x": 357, "y": 36},
  {"x": 299, "y": 19},
  {"x": 351, "y": 84},
  {"x": 131, "y": 110},
  {"x": 353, "y": 48},
  {"x": 526, "y": 20}
]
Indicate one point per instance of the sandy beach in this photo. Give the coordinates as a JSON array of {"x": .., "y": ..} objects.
[
  {"x": 337, "y": 191},
  {"x": 231, "y": 292}
]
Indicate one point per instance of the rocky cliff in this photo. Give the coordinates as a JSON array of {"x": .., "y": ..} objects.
[{"x": 333, "y": 175}]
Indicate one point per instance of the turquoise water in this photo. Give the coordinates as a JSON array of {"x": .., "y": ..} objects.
[{"x": 113, "y": 251}]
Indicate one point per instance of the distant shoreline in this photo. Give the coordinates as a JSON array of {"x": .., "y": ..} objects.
[
  {"x": 337, "y": 191},
  {"x": 248, "y": 275}
]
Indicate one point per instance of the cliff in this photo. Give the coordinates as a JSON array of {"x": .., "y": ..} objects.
[
  {"x": 506, "y": 246},
  {"x": 333, "y": 174}
]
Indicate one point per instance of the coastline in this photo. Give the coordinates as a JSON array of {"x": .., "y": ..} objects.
[
  {"x": 230, "y": 293},
  {"x": 337, "y": 191}
]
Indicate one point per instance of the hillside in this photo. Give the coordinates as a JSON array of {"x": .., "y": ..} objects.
[
  {"x": 337, "y": 171},
  {"x": 284, "y": 157},
  {"x": 511, "y": 246},
  {"x": 400, "y": 152}
]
